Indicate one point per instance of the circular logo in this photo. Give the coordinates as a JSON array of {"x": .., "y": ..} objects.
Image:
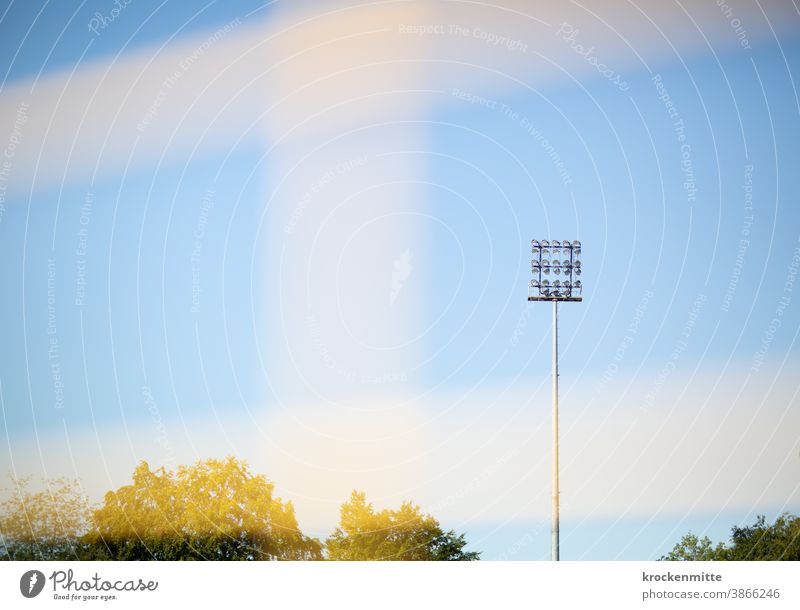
[{"x": 31, "y": 583}]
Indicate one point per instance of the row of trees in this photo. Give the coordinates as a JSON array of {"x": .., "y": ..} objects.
[
  {"x": 212, "y": 510},
  {"x": 219, "y": 510},
  {"x": 762, "y": 541}
]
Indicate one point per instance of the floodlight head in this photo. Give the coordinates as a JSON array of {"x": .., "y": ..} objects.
[{"x": 547, "y": 261}]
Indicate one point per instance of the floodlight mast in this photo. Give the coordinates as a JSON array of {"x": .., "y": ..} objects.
[{"x": 547, "y": 259}]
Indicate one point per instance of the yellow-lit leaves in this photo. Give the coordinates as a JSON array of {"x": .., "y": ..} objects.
[{"x": 214, "y": 507}]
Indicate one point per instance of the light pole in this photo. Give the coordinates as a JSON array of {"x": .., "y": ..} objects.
[{"x": 562, "y": 260}]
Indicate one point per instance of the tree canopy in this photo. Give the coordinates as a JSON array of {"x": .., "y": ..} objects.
[
  {"x": 45, "y": 524},
  {"x": 210, "y": 510},
  {"x": 758, "y": 542},
  {"x": 214, "y": 509},
  {"x": 404, "y": 534}
]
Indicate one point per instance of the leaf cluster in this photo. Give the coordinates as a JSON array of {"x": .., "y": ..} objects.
[
  {"x": 365, "y": 534},
  {"x": 44, "y": 524},
  {"x": 210, "y": 510},
  {"x": 758, "y": 542}
]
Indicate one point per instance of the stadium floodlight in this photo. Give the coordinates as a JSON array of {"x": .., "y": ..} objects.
[
  {"x": 565, "y": 263},
  {"x": 558, "y": 259}
]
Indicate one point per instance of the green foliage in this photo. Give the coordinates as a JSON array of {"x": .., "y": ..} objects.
[
  {"x": 212, "y": 510},
  {"x": 405, "y": 534},
  {"x": 758, "y": 542},
  {"x": 763, "y": 542},
  {"x": 46, "y": 524},
  {"x": 692, "y": 548}
]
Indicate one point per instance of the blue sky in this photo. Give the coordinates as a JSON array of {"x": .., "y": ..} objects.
[
  {"x": 44, "y": 36},
  {"x": 240, "y": 253}
]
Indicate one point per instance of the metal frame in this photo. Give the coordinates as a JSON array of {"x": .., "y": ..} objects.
[
  {"x": 556, "y": 258},
  {"x": 568, "y": 291}
]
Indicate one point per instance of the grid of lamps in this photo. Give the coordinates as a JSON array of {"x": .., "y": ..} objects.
[{"x": 556, "y": 269}]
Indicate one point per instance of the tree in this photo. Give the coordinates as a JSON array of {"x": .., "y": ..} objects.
[
  {"x": 214, "y": 510},
  {"x": 43, "y": 525},
  {"x": 758, "y": 542},
  {"x": 405, "y": 534},
  {"x": 692, "y": 548},
  {"x": 764, "y": 542}
]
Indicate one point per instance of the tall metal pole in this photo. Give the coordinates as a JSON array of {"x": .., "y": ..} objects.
[
  {"x": 554, "y": 516},
  {"x": 567, "y": 291}
]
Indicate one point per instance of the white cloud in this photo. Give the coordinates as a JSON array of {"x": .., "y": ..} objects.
[
  {"x": 484, "y": 457},
  {"x": 324, "y": 68}
]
